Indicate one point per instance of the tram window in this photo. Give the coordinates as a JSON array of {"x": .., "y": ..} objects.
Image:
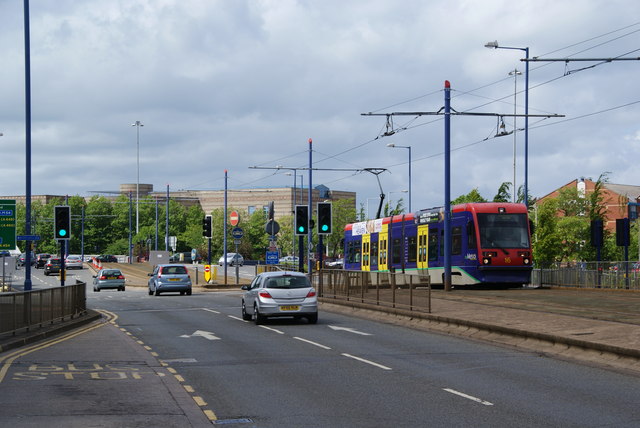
[
  {"x": 413, "y": 249},
  {"x": 353, "y": 252},
  {"x": 374, "y": 251},
  {"x": 456, "y": 240},
  {"x": 397, "y": 251},
  {"x": 433, "y": 245}
]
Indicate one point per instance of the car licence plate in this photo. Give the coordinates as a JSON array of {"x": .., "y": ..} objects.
[
  {"x": 112, "y": 277},
  {"x": 290, "y": 308},
  {"x": 174, "y": 279}
]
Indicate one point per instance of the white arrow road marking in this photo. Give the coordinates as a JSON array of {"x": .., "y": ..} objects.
[
  {"x": 200, "y": 333},
  {"x": 350, "y": 330},
  {"x": 469, "y": 397}
]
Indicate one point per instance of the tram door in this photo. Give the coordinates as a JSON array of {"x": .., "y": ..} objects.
[
  {"x": 423, "y": 245},
  {"x": 366, "y": 252},
  {"x": 383, "y": 248}
]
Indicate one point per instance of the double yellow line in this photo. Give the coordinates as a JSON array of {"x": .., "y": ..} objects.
[{"x": 7, "y": 360}]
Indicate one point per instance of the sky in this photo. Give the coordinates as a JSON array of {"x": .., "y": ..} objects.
[{"x": 234, "y": 85}]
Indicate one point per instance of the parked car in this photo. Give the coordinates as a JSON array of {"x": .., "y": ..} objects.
[
  {"x": 289, "y": 260},
  {"x": 335, "y": 264},
  {"x": 41, "y": 260},
  {"x": 186, "y": 258},
  {"x": 108, "y": 278},
  {"x": 52, "y": 265},
  {"x": 107, "y": 258},
  {"x": 232, "y": 259},
  {"x": 279, "y": 294},
  {"x": 73, "y": 262},
  {"x": 169, "y": 277}
]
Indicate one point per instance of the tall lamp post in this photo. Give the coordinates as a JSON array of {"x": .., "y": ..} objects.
[
  {"x": 495, "y": 45},
  {"x": 138, "y": 124},
  {"x": 515, "y": 74},
  {"x": 405, "y": 147}
]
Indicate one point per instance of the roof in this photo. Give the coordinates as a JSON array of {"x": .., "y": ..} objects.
[{"x": 632, "y": 192}]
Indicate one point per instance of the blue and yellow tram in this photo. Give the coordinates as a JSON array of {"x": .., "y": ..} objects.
[{"x": 490, "y": 244}]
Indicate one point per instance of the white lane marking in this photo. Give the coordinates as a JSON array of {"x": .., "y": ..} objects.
[
  {"x": 469, "y": 397},
  {"x": 368, "y": 362},
  {"x": 312, "y": 343},
  {"x": 237, "y": 318},
  {"x": 210, "y": 310},
  {"x": 272, "y": 329},
  {"x": 350, "y": 330}
]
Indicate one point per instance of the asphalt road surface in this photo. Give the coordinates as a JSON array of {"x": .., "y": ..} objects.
[{"x": 342, "y": 372}]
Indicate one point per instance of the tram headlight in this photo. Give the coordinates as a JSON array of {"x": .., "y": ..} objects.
[{"x": 486, "y": 260}]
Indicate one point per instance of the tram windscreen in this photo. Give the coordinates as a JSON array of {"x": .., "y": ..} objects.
[{"x": 503, "y": 230}]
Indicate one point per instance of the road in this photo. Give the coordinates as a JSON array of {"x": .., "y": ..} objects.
[{"x": 345, "y": 371}]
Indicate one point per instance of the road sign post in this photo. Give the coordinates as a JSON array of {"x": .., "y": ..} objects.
[{"x": 7, "y": 224}]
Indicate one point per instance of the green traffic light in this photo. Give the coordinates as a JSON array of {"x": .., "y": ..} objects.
[
  {"x": 62, "y": 232},
  {"x": 325, "y": 227},
  {"x": 300, "y": 229}
]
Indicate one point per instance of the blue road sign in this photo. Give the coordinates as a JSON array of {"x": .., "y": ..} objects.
[
  {"x": 272, "y": 257},
  {"x": 28, "y": 237},
  {"x": 237, "y": 232}
]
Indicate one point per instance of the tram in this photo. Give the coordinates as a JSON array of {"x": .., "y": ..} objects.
[{"x": 490, "y": 244}]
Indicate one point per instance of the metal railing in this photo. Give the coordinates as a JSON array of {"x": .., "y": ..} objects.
[
  {"x": 383, "y": 289},
  {"x": 610, "y": 275},
  {"x": 37, "y": 308}
]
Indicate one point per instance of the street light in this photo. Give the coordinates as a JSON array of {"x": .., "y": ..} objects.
[
  {"x": 138, "y": 124},
  {"x": 495, "y": 45},
  {"x": 515, "y": 74},
  {"x": 405, "y": 147}
]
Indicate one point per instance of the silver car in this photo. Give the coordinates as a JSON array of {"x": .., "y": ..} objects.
[
  {"x": 280, "y": 294},
  {"x": 73, "y": 262},
  {"x": 169, "y": 278},
  {"x": 108, "y": 278},
  {"x": 232, "y": 259}
]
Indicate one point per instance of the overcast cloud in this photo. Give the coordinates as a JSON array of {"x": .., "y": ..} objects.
[{"x": 230, "y": 84}]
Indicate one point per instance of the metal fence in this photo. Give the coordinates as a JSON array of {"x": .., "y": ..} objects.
[
  {"x": 611, "y": 275},
  {"x": 35, "y": 309},
  {"x": 385, "y": 289}
]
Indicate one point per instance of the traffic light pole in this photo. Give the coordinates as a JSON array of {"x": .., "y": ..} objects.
[{"x": 62, "y": 245}]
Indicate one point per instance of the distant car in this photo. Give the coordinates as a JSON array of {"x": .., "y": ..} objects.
[
  {"x": 335, "y": 264},
  {"x": 107, "y": 258},
  {"x": 279, "y": 294},
  {"x": 23, "y": 258},
  {"x": 289, "y": 260},
  {"x": 232, "y": 259},
  {"x": 73, "y": 262},
  {"x": 186, "y": 258},
  {"x": 108, "y": 278},
  {"x": 169, "y": 278},
  {"x": 41, "y": 260},
  {"x": 52, "y": 265},
  {"x": 5, "y": 253}
]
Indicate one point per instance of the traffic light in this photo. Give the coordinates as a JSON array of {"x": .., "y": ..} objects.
[
  {"x": 206, "y": 227},
  {"x": 324, "y": 218},
  {"x": 302, "y": 220},
  {"x": 622, "y": 232},
  {"x": 62, "y": 222},
  {"x": 596, "y": 233}
]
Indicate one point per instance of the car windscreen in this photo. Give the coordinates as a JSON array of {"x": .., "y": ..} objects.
[
  {"x": 111, "y": 272},
  {"x": 287, "y": 282}
]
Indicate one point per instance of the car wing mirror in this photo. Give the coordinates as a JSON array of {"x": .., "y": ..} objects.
[{"x": 244, "y": 287}]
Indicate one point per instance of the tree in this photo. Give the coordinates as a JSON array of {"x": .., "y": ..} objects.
[
  {"x": 472, "y": 196},
  {"x": 503, "y": 193}
]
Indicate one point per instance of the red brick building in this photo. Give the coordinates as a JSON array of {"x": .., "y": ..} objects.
[{"x": 616, "y": 197}]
